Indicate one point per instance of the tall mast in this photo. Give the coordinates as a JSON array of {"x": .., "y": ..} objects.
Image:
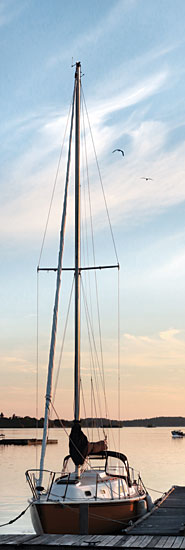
[
  {"x": 76, "y": 103},
  {"x": 77, "y": 248},
  {"x": 56, "y": 305}
]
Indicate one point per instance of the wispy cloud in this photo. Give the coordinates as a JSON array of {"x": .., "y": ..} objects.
[
  {"x": 35, "y": 168},
  {"x": 164, "y": 350},
  {"x": 131, "y": 96},
  {"x": 170, "y": 334},
  {"x": 22, "y": 365}
]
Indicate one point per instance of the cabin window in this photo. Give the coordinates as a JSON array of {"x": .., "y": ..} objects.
[
  {"x": 115, "y": 467},
  {"x": 88, "y": 493}
]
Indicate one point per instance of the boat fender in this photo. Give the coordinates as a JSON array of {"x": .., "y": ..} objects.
[
  {"x": 149, "y": 503},
  {"x": 141, "y": 508}
]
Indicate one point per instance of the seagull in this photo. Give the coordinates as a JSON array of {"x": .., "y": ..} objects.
[
  {"x": 120, "y": 150},
  {"x": 147, "y": 179}
]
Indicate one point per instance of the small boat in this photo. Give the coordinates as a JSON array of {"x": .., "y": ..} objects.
[
  {"x": 177, "y": 434},
  {"x": 96, "y": 492}
]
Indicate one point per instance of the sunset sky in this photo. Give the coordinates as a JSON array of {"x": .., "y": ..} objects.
[{"x": 132, "y": 54}]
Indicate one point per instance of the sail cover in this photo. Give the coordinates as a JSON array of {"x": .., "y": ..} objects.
[{"x": 78, "y": 444}]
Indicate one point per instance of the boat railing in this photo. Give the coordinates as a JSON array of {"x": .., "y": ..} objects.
[
  {"x": 141, "y": 487},
  {"x": 32, "y": 477},
  {"x": 64, "y": 478}
]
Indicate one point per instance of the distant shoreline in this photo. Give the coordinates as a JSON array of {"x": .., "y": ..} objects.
[{"x": 29, "y": 422}]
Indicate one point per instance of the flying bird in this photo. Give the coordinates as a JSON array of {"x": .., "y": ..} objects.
[
  {"x": 147, "y": 179},
  {"x": 120, "y": 150}
]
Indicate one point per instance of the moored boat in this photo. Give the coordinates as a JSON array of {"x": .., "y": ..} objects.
[
  {"x": 96, "y": 492},
  {"x": 177, "y": 434}
]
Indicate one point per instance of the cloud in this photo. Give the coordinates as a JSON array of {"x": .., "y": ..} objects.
[
  {"x": 164, "y": 350},
  {"x": 131, "y": 96},
  {"x": 11, "y": 362},
  {"x": 31, "y": 174},
  {"x": 168, "y": 335}
]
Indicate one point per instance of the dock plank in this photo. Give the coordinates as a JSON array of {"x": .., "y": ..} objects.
[
  {"x": 166, "y": 518},
  {"x": 131, "y": 542},
  {"x": 170, "y": 541},
  {"x": 143, "y": 542},
  {"x": 16, "y": 539},
  {"x": 117, "y": 540},
  {"x": 161, "y": 542},
  {"x": 178, "y": 542},
  {"x": 183, "y": 543},
  {"x": 52, "y": 540},
  {"x": 107, "y": 541}
]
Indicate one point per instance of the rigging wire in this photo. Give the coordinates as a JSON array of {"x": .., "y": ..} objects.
[
  {"x": 102, "y": 369},
  {"x": 90, "y": 332},
  {"x": 37, "y": 370},
  {"x": 85, "y": 242},
  {"x": 96, "y": 286},
  {"x": 92, "y": 342},
  {"x": 55, "y": 182},
  {"x": 93, "y": 249},
  {"x": 98, "y": 168},
  {"x": 119, "y": 408},
  {"x": 85, "y": 209},
  {"x": 83, "y": 400},
  {"x": 92, "y": 410},
  {"x": 55, "y": 310},
  {"x": 63, "y": 340},
  {"x": 42, "y": 246},
  {"x": 85, "y": 248},
  {"x": 94, "y": 401},
  {"x": 92, "y": 345},
  {"x": 86, "y": 460}
]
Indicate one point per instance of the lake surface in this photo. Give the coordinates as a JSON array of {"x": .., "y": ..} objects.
[{"x": 152, "y": 451}]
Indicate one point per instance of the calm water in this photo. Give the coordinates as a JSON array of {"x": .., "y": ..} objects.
[{"x": 152, "y": 451}]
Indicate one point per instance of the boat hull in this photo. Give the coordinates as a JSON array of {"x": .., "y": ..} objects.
[{"x": 95, "y": 518}]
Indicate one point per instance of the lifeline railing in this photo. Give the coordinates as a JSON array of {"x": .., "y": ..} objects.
[{"x": 32, "y": 477}]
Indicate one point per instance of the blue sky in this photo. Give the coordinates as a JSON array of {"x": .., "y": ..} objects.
[{"x": 132, "y": 54}]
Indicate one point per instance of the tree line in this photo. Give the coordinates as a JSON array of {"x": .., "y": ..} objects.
[{"x": 15, "y": 421}]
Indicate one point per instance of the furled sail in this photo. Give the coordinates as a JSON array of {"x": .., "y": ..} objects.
[{"x": 80, "y": 447}]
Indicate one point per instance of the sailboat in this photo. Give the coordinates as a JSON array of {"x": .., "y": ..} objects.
[{"x": 102, "y": 493}]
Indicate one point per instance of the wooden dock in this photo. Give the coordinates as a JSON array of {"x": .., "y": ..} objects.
[
  {"x": 166, "y": 518},
  {"x": 26, "y": 441},
  {"x": 162, "y": 528},
  {"x": 36, "y": 542}
]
